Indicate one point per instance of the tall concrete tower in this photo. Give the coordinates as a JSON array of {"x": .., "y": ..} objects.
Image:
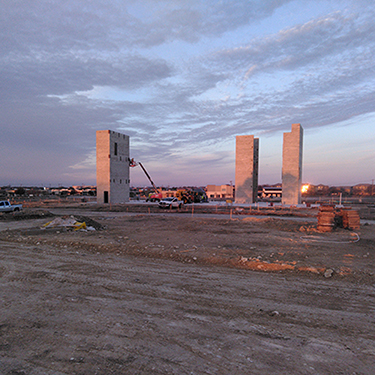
[
  {"x": 292, "y": 165},
  {"x": 112, "y": 167},
  {"x": 247, "y": 161}
]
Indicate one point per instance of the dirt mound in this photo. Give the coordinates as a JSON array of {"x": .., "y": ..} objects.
[
  {"x": 26, "y": 215},
  {"x": 256, "y": 220},
  {"x": 89, "y": 222}
]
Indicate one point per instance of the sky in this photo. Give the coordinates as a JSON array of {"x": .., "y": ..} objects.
[{"x": 182, "y": 78}]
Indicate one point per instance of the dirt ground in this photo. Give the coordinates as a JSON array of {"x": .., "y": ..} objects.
[{"x": 190, "y": 292}]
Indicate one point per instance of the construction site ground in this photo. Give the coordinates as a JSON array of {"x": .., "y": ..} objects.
[{"x": 203, "y": 290}]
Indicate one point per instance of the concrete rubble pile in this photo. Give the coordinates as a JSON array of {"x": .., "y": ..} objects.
[{"x": 69, "y": 223}]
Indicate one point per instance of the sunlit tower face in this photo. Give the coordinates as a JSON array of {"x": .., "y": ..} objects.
[{"x": 292, "y": 165}]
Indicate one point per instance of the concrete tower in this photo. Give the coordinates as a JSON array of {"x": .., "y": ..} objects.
[
  {"x": 247, "y": 161},
  {"x": 292, "y": 165},
  {"x": 112, "y": 167}
]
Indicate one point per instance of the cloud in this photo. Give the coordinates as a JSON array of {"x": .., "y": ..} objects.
[
  {"x": 172, "y": 75},
  {"x": 320, "y": 62},
  {"x": 110, "y": 26},
  {"x": 60, "y": 75}
]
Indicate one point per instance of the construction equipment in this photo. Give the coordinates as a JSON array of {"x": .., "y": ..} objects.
[
  {"x": 184, "y": 195},
  {"x": 152, "y": 197},
  {"x": 187, "y": 195},
  {"x": 192, "y": 195}
]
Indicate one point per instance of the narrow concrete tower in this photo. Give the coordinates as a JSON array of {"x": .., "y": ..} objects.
[
  {"x": 292, "y": 165},
  {"x": 112, "y": 167},
  {"x": 247, "y": 161}
]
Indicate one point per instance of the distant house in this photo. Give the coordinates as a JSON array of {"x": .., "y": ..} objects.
[
  {"x": 362, "y": 189},
  {"x": 11, "y": 192}
]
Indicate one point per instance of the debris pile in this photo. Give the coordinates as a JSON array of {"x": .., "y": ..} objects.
[{"x": 67, "y": 222}]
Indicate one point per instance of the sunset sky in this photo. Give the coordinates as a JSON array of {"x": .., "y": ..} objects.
[{"x": 182, "y": 78}]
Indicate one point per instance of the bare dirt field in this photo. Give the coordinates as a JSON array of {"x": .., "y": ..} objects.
[{"x": 150, "y": 292}]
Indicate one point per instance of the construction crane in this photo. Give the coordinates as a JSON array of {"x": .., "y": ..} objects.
[
  {"x": 133, "y": 163},
  {"x": 148, "y": 176}
]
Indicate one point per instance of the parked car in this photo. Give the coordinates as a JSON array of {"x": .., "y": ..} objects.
[
  {"x": 172, "y": 202},
  {"x": 5, "y": 206}
]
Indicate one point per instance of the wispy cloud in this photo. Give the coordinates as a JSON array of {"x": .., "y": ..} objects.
[{"x": 172, "y": 75}]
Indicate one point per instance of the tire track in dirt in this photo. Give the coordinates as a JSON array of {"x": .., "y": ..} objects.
[
  {"x": 79, "y": 311},
  {"x": 121, "y": 278}
]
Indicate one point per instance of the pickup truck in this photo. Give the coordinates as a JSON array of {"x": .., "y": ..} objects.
[
  {"x": 5, "y": 206},
  {"x": 172, "y": 202}
]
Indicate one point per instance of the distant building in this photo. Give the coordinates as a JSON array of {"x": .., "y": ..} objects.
[
  {"x": 219, "y": 191},
  {"x": 112, "y": 167},
  {"x": 247, "y": 161},
  {"x": 363, "y": 189},
  {"x": 85, "y": 190},
  {"x": 292, "y": 165},
  {"x": 270, "y": 192}
]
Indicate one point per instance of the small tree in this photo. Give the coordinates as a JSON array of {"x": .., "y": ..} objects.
[
  {"x": 20, "y": 191},
  {"x": 72, "y": 191}
]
